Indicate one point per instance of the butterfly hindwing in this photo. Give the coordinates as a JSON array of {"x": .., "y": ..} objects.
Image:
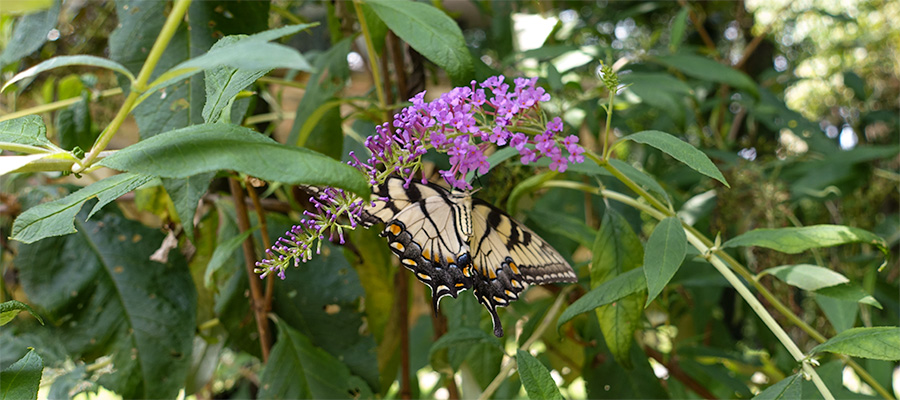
[
  {"x": 508, "y": 256},
  {"x": 424, "y": 235}
]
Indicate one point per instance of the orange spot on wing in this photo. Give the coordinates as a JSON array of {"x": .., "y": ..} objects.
[{"x": 395, "y": 229}]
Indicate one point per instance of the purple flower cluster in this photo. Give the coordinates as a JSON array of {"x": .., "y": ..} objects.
[
  {"x": 298, "y": 243},
  {"x": 463, "y": 123}
]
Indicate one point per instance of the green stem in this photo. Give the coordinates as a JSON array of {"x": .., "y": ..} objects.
[
  {"x": 22, "y": 148},
  {"x": 139, "y": 85},
  {"x": 373, "y": 63},
  {"x": 56, "y": 105},
  {"x": 609, "y": 111}
]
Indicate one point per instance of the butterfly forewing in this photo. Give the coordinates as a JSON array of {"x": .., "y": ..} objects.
[{"x": 508, "y": 256}]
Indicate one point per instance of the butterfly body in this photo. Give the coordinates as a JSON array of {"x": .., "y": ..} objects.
[{"x": 453, "y": 242}]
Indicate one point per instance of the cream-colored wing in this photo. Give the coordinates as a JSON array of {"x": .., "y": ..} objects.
[{"x": 507, "y": 256}]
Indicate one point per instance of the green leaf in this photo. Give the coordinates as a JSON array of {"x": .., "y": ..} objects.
[
  {"x": 663, "y": 255},
  {"x": 322, "y": 301},
  {"x": 841, "y": 313},
  {"x": 680, "y": 151},
  {"x": 185, "y": 194},
  {"x": 241, "y": 55},
  {"x": 880, "y": 343},
  {"x": 9, "y": 310},
  {"x": 661, "y": 91},
  {"x": 795, "y": 240},
  {"x": 536, "y": 378},
  {"x": 806, "y": 276},
  {"x": 617, "y": 249},
  {"x": 563, "y": 225},
  {"x": 28, "y": 130},
  {"x": 65, "y": 61},
  {"x": 430, "y": 32},
  {"x": 107, "y": 297},
  {"x": 855, "y": 83},
  {"x": 317, "y": 121},
  {"x": 786, "y": 389},
  {"x": 31, "y": 30},
  {"x": 706, "y": 69},
  {"x": 56, "y": 217},
  {"x": 22, "y": 379},
  {"x": 610, "y": 291},
  {"x": 849, "y": 292},
  {"x": 225, "y": 82},
  {"x": 252, "y": 53},
  {"x": 678, "y": 27},
  {"x": 224, "y": 251},
  {"x": 298, "y": 370},
  {"x": 212, "y": 147}
]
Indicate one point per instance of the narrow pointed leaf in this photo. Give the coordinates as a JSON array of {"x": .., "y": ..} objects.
[
  {"x": 212, "y": 147},
  {"x": 663, "y": 255},
  {"x": 65, "y": 61},
  {"x": 535, "y": 377},
  {"x": 614, "y": 289},
  {"x": 880, "y": 343},
  {"x": 849, "y": 292},
  {"x": 706, "y": 69},
  {"x": 617, "y": 249},
  {"x": 806, "y": 276},
  {"x": 681, "y": 151},
  {"x": 796, "y": 240},
  {"x": 56, "y": 217}
]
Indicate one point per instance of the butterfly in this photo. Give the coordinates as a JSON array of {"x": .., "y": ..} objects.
[{"x": 453, "y": 242}]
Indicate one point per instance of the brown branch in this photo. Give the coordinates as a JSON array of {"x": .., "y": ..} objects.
[
  {"x": 401, "y": 283},
  {"x": 266, "y": 240},
  {"x": 399, "y": 65},
  {"x": 676, "y": 372},
  {"x": 256, "y": 295}
]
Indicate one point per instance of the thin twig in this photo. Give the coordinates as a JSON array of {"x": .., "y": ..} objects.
[
  {"x": 698, "y": 25},
  {"x": 676, "y": 372},
  {"x": 256, "y": 295}
]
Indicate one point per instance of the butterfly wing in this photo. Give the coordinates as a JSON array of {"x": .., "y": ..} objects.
[
  {"x": 424, "y": 227},
  {"x": 508, "y": 256}
]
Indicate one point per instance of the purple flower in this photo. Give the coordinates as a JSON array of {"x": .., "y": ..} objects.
[
  {"x": 544, "y": 142},
  {"x": 528, "y": 156},
  {"x": 518, "y": 141},
  {"x": 557, "y": 126},
  {"x": 575, "y": 155},
  {"x": 499, "y": 136}
]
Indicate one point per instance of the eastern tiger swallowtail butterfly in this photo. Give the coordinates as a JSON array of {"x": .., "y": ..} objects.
[{"x": 453, "y": 242}]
